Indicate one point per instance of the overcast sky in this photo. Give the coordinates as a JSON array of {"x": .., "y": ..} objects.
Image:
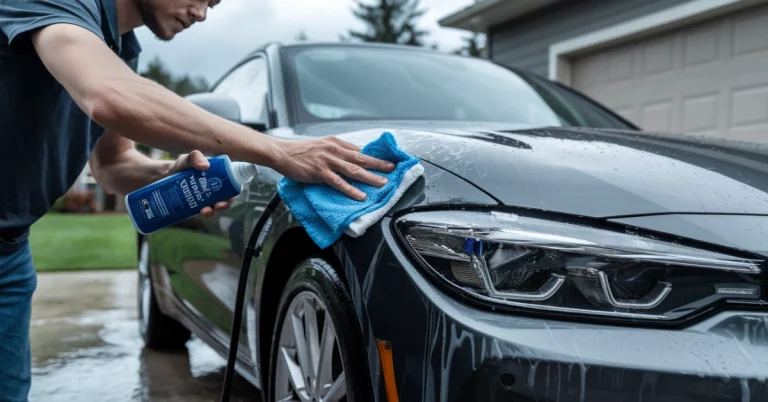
[{"x": 236, "y": 27}]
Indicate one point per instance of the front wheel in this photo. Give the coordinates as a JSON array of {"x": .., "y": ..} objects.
[{"x": 318, "y": 352}]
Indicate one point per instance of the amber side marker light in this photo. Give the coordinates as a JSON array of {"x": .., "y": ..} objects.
[{"x": 388, "y": 369}]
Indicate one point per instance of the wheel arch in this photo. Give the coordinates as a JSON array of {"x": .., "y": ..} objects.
[{"x": 291, "y": 248}]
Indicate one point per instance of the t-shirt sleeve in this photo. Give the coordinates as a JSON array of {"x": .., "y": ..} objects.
[{"x": 20, "y": 17}]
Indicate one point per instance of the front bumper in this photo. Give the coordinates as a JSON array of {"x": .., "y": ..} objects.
[
  {"x": 722, "y": 359},
  {"x": 445, "y": 350}
]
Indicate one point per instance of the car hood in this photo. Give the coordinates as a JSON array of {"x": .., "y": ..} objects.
[
  {"x": 743, "y": 232},
  {"x": 589, "y": 172}
]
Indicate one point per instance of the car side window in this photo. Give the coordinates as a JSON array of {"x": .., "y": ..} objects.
[{"x": 249, "y": 86}]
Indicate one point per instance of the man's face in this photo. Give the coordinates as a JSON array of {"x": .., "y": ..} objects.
[{"x": 166, "y": 18}]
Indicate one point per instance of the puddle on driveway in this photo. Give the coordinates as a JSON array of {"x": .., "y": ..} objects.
[{"x": 86, "y": 347}]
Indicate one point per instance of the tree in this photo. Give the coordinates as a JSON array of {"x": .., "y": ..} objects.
[
  {"x": 182, "y": 86},
  {"x": 471, "y": 46},
  {"x": 187, "y": 86},
  {"x": 301, "y": 36},
  {"x": 390, "y": 21}
]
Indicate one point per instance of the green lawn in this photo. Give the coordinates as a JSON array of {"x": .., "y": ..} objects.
[{"x": 73, "y": 241}]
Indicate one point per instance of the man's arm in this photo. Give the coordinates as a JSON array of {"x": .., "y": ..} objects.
[
  {"x": 141, "y": 110},
  {"x": 120, "y": 168}
]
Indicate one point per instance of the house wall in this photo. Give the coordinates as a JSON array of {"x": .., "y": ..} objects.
[{"x": 524, "y": 42}]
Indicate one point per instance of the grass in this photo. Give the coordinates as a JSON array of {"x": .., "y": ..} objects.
[{"x": 62, "y": 242}]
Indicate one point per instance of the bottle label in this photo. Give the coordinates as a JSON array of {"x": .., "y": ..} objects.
[
  {"x": 180, "y": 196},
  {"x": 147, "y": 209}
]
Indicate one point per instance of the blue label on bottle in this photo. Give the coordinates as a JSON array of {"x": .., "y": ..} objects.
[{"x": 181, "y": 196}]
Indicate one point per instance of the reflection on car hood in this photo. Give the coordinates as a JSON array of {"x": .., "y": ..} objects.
[{"x": 590, "y": 172}]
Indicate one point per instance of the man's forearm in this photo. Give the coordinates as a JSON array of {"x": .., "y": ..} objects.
[
  {"x": 127, "y": 171},
  {"x": 148, "y": 113}
]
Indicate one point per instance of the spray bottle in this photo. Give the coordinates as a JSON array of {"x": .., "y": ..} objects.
[{"x": 183, "y": 194}]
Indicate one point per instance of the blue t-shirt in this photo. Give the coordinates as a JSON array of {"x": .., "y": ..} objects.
[{"x": 45, "y": 138}]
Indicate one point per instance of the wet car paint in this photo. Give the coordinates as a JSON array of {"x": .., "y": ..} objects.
[
  {"x": 444, "y": 187},
  {"x": 86, "y": 347},
  {"x": 742, "y": 232},
  {"x": 446, "y": 350},
  {"x": 588, "y": 172},
  {"x": 434, "y": 187}
]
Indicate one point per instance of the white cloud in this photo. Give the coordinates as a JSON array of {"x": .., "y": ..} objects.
[{"x": 236, "y": 27}]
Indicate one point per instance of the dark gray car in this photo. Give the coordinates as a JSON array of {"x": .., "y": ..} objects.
[{"x": 550, "y": 252}]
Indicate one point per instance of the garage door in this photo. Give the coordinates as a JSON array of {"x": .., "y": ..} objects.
[{"x": 710, "y": 78}]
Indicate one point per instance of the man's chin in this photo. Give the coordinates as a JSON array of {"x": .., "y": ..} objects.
[
  {"x": 161, "y": 34},
  {"x": 165, "y": 37}
]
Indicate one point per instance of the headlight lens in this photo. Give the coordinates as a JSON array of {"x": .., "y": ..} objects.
[{"x": 547, "y": 265}]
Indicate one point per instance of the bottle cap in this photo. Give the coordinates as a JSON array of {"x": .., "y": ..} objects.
[{"x": 244, "y": 172}]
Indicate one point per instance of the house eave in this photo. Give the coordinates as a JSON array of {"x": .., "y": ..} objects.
[{"x": 482, "y": 15}]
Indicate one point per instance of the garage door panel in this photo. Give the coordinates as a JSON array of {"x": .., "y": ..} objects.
[
  {"x": 749, "y": 106},
  {"x": 621, "y": 65},
  {"x": 590, "y": 72},
  {"x": 658, "y": 57},
  {"x": 756, "y": 133},
  {"x": 749, "y": 33},
  {"x": 658, "y": 116},
  {"x": 628, "y": 113},
  {"x": 700, "y": 114},
  {"x": 701, "y": 44},
  {"x": 710, "y": 78}
]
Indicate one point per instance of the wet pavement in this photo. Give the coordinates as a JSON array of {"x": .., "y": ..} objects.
[{"x": 86, "y": 347}]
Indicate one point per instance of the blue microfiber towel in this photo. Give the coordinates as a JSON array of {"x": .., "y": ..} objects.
[{"x": 326, "y": 212}]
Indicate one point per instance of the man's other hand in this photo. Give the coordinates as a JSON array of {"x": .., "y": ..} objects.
[
  {"x": 197, "y": 160},
  {"x": 324, "y": 160}
]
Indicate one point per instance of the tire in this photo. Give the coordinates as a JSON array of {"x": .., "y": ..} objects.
[
  {"x": 316, "y": 287},
  {"x": 157, "y": 329}
]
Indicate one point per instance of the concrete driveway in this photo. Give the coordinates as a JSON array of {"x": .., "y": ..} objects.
[{"x": 86, "y": 347}]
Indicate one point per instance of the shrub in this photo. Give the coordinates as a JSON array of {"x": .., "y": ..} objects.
[{"x": 60, "y": 204}]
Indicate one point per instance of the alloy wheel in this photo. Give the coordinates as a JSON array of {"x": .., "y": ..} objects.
[
  {"x": 145, "y": 286},
  {"x": 309, "y": 367}
]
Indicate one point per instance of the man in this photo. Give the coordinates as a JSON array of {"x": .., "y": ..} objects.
[{"x": 70, "y": 95}]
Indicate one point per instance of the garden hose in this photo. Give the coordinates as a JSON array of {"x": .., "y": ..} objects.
[{"x": 253, "y": 248}]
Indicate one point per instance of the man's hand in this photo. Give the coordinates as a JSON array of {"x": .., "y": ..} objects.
[
  {"x": 323, "y": 160},
  {"x": 198, "y": 161}
]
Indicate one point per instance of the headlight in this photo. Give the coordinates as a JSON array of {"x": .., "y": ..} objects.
[{"x": 547, "y": 265}]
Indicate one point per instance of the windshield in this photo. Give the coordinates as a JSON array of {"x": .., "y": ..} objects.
[{"x": 354, "y": 82}]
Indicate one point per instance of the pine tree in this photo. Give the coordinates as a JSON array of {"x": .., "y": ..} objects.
[
  {"x": 156, "y": 71},
  {"x": 390, "y": 21},
  {"x": 471, "y": 46},
  {"x": 182, "y": 86}
]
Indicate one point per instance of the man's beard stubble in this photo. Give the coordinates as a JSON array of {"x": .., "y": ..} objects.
[{"x": 149, "y": 17}]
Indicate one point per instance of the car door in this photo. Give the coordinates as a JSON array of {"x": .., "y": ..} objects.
[{"x": 213, "y": 249}]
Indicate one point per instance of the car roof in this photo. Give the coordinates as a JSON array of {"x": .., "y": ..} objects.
[{"x": 371, "y": 45}]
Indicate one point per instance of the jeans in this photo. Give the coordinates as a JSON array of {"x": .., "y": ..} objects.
[{"x": 17, "y": 283}]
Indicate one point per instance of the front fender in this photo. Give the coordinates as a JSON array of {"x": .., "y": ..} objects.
[{"x": 436, "y": 188}]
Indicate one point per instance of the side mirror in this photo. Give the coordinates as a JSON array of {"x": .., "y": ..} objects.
[{"x": 224, "y": 106}]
